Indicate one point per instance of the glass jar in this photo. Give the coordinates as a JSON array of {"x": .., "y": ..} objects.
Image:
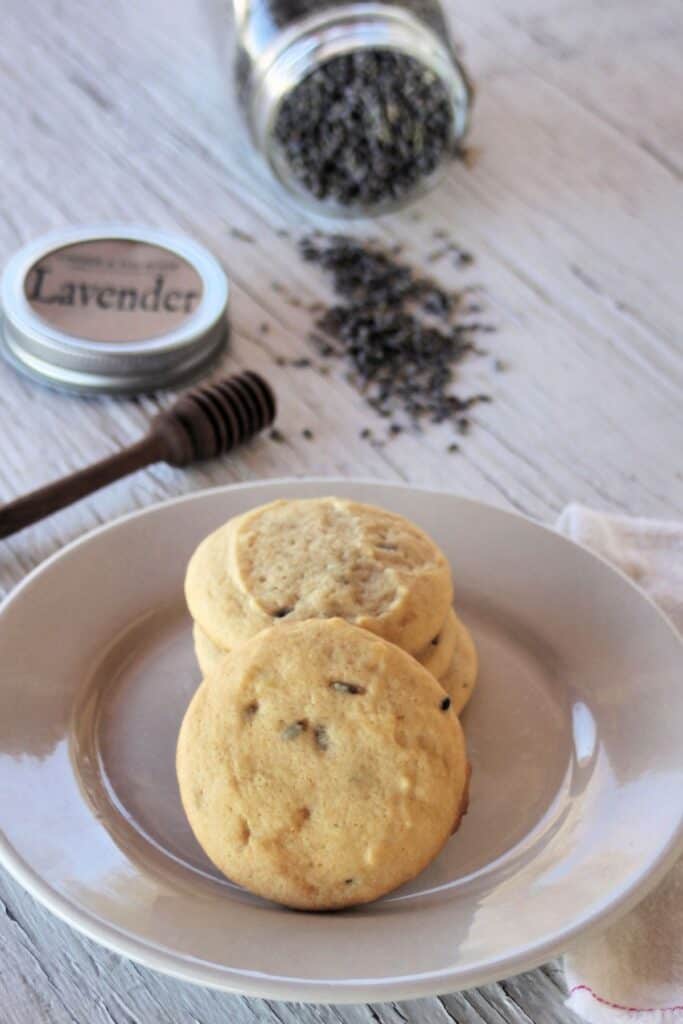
[{"x": 356, "y": 107}]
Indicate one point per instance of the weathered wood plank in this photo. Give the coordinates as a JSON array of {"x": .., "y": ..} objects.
[{"x": 125, "y": 111}]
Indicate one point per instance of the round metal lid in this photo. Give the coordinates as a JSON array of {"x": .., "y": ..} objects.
[{"x": 113, "y": 308}]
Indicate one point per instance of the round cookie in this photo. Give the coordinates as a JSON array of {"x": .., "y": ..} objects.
[
  {"x": 206, "y": 652},
  {"x": 318, "y": 766},
  {"x": 436, "y": 657},
  {"x": 319, "y": 558},
  {"x": 459, "y": 680},
  {"x": 222, "y": 612}
]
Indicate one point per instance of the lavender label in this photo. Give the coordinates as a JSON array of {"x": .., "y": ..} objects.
[{"x": 113, "y": 290}]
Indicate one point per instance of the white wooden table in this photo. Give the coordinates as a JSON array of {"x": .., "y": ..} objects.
[{"x": 574, "y": 208}]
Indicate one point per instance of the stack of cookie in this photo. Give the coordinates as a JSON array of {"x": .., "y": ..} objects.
[
  {"x": 319, "y": 558},
  {"x": 322, "y": 762}
]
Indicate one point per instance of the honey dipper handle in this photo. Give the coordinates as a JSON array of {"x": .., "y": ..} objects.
[{"x": 32, "y": 507}]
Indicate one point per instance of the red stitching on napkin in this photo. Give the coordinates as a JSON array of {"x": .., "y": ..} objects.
[{"x": 618, "y": 1006}]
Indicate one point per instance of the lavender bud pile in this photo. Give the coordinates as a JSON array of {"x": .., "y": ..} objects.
[
  {"x": 365, "y": 128},
  {"x": 399, "y": 332}
]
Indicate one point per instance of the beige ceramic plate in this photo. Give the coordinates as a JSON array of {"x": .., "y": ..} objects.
[{"x": 574, "y": 733}]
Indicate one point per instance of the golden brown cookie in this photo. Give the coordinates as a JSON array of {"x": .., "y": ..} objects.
[
  {"x": 319, "y": 558},
  {"x": 218, "y": 607},
  {"x": 320, "y": 766},
  {"x": 436, "y": 657},
  {"x": 207, "y": 654},
  {"x": 460, "y": 679},
  {"x": 438, "y": 654}
]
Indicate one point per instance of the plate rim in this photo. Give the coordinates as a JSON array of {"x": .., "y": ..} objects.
[{"x": 258, "y": 984}]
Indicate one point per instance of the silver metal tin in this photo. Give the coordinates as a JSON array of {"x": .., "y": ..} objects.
[{"x": 106, "y": 346}]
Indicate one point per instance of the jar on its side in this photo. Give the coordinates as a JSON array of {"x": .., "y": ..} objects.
[{"x": 283, "y": 49}]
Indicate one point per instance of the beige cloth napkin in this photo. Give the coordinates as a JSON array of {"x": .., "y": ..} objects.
[{"x": 633, "y": 972}]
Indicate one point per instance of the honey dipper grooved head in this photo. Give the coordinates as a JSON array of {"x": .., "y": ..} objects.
[{"x": 213, "y": 419}]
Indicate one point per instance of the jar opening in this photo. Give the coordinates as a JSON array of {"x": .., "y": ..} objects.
[{"x": 364, "y": 128}]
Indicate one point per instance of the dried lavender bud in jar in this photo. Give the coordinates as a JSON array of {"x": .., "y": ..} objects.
[
  {"x": 376, "y": 97},
  {"x": 364, "y": 128}
]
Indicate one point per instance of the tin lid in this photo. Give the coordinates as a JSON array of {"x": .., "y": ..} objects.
[{"x": 113, "y": 309}]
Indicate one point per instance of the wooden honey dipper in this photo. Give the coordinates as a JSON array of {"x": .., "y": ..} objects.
[{"x": 203, "y": 423}]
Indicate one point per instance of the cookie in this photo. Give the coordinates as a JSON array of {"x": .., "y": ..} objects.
[
  {"x": 219, "y": 609},
  {"x": 321, "y": 767},
  {"x": 206, "y": 652},
  {"x": 319, "y": 558},
  {"x": 436, "y": 657},
  {"x": 460, "y": 679}
]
